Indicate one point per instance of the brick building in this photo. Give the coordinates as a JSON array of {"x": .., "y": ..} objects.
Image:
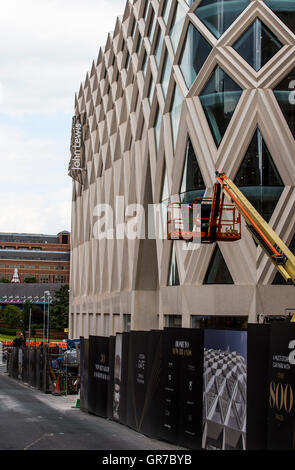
[{"x": 44, "y": 257}]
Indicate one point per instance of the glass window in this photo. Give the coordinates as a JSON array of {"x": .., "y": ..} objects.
[
  {"x": 189, "y": 2},
  {"x": 173, "y": 321},
  {"x": 166, "y": 10},
  {"x": 285, "y": 10},
  {"x": 158, "y": 48},
  {"x": 127, "y": 61},
  {"x": 106, "y": 324},
  {"x": 258, "y": 177},
  {"x": 59, "y": 278},
  {"x": 192, "y": 184},
  {"x": 257, "y": 45},
  {"x": 173, "y": 278},
  {"x": 219, "y": 99},
  {"x": 157, "y": 126},
  {"x": 45, "y": 278},
  {"x": 219, "y": 322},
  {"x": 133, "y": 29},
  {"x": 285, "y": 95},
  {"x": 151, "y": 90},
  {"x": 152, "y": 26},
  {"x": 165, "y": 188},
  {"x": 139, "y": 43},
  {"x": 44, "y": 267},
  {"x": 144, "y": 64},
  {"x": 175, "y": 112},
  {"x": 218, "y": 15},
  {"x": 166, "y": 73},
  {"x": 194, "y": 53},
  {"x": 127, "y": 321},
  {"x": 177, "y": 25},
  {"x": 218, "y": 272}
]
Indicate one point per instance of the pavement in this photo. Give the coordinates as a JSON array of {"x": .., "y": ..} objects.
[{"x": 33, "y": 420}]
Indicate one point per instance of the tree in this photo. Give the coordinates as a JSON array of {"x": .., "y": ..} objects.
[
  {"x": 59, "y": 309},
  {"x": 3, "y": 279},
  {"x": 12, "y": 315}
]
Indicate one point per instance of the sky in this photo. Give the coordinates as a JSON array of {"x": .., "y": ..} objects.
[{"x": 46, "y": 49}]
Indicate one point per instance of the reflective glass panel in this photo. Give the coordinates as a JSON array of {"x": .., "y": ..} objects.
[
  {"x": 152, "y": 26},
  {"x": 285, "y": 95},
  {"x": 218, "y": 272},
  {"x": 177, "y": 25},
  {"x": 219, "y": 99},
  {"x": 192, "y": 184},
  {"x": 175, "y": 112},
  {"x": 157, "y": 126},
  {"x": 258, "y": 177},
  {"x": 158, "y": 48},
  {"x": 285, "y": 10},
  {"x": 173, "y": 279},
  {"x": 166, "y": 73},
  {"x": 151, "y": 90},
  {"x": 166, "y": 10},
  {"x": 218, "y": 15},
  {"x": 195, "y": 51},
  {"x": 257, "y": 45}
]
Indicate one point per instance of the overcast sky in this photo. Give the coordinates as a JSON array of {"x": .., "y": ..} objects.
[{"x": 46, "y": 48}]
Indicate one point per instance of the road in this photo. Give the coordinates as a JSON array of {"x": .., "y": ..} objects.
[{"x": 32, "y": 420}]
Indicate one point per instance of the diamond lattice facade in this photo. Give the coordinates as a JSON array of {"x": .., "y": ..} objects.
[{"x": 182, "y": 89}]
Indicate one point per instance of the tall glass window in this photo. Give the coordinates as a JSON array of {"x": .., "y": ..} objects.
[
  {"x": 285, "y": 10},
  {"x": 218, "y": 272},
  {"x": 157, "y": 126},
  {"x": 257, "y": 45},
  {"x": 151, "y": 90},
  {"x": 152, "y": 26},
  {"x": 194, "y": 53},
  {"x": 218, "y": 15},
  {"x": 192, "y": 184},
  {"x": 177, "y": 24},
  {"x": 258, "y": 177},
  {"x": 173, "y": 278},
  {"x": 158, "y": 47},
  {"x": 285, "y": 95},
  {"x": 175, "y": 112},
  {"x": 219, "y": 99},
  {"x": 166, "y": 10},
  {"x": 166, "y": 73}
]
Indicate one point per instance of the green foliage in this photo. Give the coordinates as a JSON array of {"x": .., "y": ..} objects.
[
  {"x": 3, "y": 279},
  {"x": 30, "y": 280},
  {"x": 59, "y": 309},
  {"x": 11, "y": 315},
  {"x": 7, "y": 331}
]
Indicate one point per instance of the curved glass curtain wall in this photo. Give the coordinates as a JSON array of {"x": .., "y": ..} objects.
[
  {"x": 285, "y": 10},
  {"x": 257, "y": 45},
  {"x": 285, "y": 95},
  {"x": 219, "y": 99},
  {"x": 258, "y": 177},
  {"x": 194, "y": 53},
  {"x": 218, "y": 15}
]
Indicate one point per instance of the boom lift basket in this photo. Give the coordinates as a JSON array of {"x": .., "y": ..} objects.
[{"x": 202, "y": 222}]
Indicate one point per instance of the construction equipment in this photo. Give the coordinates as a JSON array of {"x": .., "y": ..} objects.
[{"x": 209, "y": 220}]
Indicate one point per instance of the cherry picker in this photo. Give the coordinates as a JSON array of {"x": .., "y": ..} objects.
[{"x": 209, "y": 220}]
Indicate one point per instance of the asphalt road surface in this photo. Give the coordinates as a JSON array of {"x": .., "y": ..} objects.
[{"x": 32, "y": 420}]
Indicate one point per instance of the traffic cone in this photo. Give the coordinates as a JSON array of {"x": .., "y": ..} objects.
[
  {"x": 78, "y": 401},
  {"x": 56, "y": 389}
]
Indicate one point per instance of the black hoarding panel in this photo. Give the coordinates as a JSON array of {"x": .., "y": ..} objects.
[
  {"x": 281, "y": 387},
  {"x": 181, "y": 387},
  {"x": 98, "y": 375},
  {"x": 32, "y": 367},
  {"x": 112, "y": 346},
  {"x": 85, "y": 375},
  {"x": 151, "y": 412},
  {"x": 137, "y": 378},
  {"x": 120, "y": 390},
  {"x": 257, "y": 386},
  {"x": 82, "y": 393}
]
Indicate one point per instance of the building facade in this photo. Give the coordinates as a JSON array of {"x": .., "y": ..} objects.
[
  {"x": 46, "y": 258},
  {"x": 180, "y": 90}
]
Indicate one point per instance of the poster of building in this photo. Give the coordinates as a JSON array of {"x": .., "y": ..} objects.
[{"x": 224, "y": 389}]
